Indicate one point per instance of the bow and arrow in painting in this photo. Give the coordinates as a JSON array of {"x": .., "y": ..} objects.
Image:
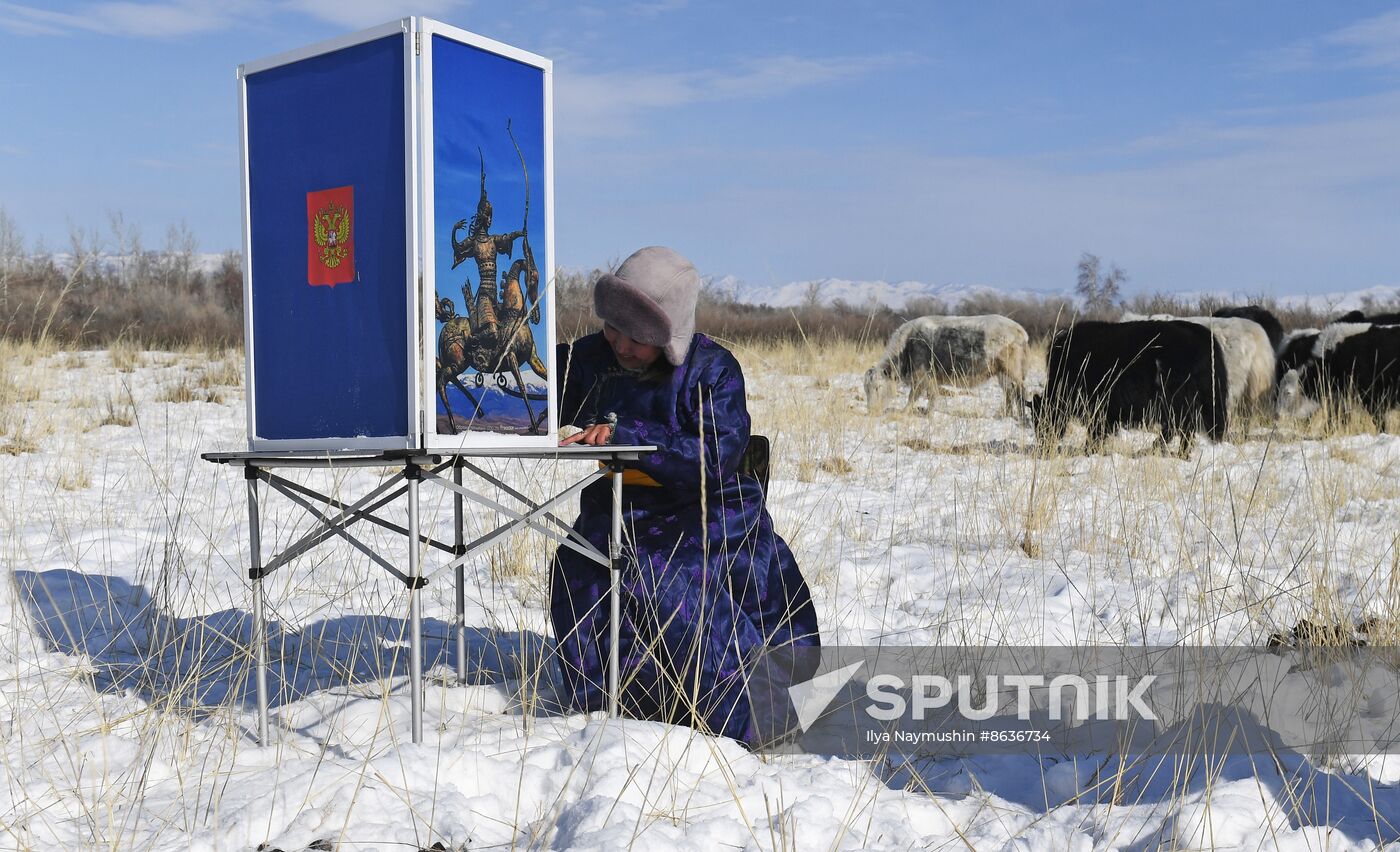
[{"x": 493, "y": 336}]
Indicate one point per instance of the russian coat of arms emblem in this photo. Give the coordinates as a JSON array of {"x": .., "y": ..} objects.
[
  {"x": 330, "y": 236},
  {"x": 331, "y": 228}
]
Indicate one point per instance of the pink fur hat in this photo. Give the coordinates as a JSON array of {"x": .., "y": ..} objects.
[{"x": 651, "y": 299}]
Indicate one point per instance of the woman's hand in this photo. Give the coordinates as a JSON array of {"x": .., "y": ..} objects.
[{"x": 597, "y": 435}]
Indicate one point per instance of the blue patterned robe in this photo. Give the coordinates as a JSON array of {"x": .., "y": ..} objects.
[{"x": 706, "y": 582}]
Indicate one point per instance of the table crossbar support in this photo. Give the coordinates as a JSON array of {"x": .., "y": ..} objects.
[
  {"x": 316, "y": 536},
  {"x": 517, "y": 519},
  {"x": 345, "y": 534},
  {"x": 555, "y": 519},
  {"x": 359, "y": 514},
  {"x": 537, "y": 510}
]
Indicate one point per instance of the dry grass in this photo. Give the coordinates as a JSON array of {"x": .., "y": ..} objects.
[
  {"x": 226, "y": 371},
  {"x": 837, "y": 465},
  {"x": 126, "y": 355},
  {"x": 23, "y": 425},
  {"x": 118, "y": 407},
  {"x": 190, "y": 388},
  {"x": 1191, "y": 546},
  {"x": 74, "y": 475}
]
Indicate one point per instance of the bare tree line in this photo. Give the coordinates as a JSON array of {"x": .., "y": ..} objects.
[{"x": 109, "y": 286}]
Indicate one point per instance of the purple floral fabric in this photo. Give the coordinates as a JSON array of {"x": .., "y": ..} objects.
[{"x": 706, "y": 584}]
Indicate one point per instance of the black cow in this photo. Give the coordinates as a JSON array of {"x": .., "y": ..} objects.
[
  {"x": 1364, "y": 366},
  {"x": 1377, "y": 319},
  {"x": 1267, "y": 321},
  {"x": 1297, "y": 350},
  {"x": 1108, "y": 375}
]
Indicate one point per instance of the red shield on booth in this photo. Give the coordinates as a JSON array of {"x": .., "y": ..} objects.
[{"x": 330, "y": 236}]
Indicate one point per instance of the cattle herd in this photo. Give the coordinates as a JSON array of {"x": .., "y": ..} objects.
[{"x": 1184, "y": 375}]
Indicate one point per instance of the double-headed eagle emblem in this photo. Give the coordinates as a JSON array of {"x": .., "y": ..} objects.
[{"x": 331, "y": 230}]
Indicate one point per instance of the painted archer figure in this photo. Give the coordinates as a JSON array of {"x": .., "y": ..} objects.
[
  {"x": 493, "y": 337},
  {"x": 483, "y": 246}
]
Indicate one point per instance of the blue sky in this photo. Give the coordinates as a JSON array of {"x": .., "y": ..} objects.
[{"x": 1223, "y": 145}]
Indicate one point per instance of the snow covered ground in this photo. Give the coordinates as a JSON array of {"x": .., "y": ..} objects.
[{"x": 126, "y": 713}]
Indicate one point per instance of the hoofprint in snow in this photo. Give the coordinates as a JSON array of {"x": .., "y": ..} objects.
[{"x": 128, "y": 718}]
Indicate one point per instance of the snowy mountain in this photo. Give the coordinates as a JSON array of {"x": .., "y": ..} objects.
[
  {"x": 205, "y": 262},
  {"x": 897, "y": 295},
  {"x": 894, "y": 295}
]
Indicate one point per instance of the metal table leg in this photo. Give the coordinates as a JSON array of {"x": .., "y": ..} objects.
[
  {"x": 415, "y": 613},
  {"x": 459, "y": 547},
  {"x": 615, "y": 591},
  {"x": 250, "y": 474}
]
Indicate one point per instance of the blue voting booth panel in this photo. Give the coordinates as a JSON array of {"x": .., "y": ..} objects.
[
  {"x": 330, "y": 295},
  {"x": 491, "y": 186}
]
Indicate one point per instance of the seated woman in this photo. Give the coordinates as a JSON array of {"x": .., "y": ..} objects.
[{"x": 706, "y": 584}]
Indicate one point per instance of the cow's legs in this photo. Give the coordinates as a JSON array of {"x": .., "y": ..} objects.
[
  {"x": 928, "y": 388},
  {"x": 1013, "y": 397},
  {"x": 920, "y": 387},
  {"x": 1097, "y": 429},
  {"x": 917, "y": 390},
  {"x": 1187, "y": 437},
  {"x": 1165, "y": 434}
]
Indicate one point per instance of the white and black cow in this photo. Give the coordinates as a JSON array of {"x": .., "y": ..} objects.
[
  {"x": 1249, "y": 358},
  {"x": 1358, "y": 361},
  {"x": 1108, "y": 375},
  {"x": 1374, "y": 319},
  {"x": 1267, "y": 321},
  {"x": 1295, "y": 350},
  {"x": 934, "y": 350}
]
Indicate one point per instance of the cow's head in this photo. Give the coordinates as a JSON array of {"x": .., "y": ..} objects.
[
  {"x": 1289, "y": 399},
  {"x": 877, "y": 388}
]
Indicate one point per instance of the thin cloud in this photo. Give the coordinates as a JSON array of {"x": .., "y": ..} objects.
[
  {"x": 160, "y": 165},
  {"x": 29, "y": 21},
  {"x": 1369, "y": 43},
  {"x": 1372, "y": 43},
  {"x": 175, "y": 18},
  {"x": 609, "y": 103},
  {"x": 150, "y": 20},
  {"x": 655, "y": 8},
  {"x": 356, "y": 14}
]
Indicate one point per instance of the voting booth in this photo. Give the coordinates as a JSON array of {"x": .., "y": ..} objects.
[{"x": 398, "y": 243}]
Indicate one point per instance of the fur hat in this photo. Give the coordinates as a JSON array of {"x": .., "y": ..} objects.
[{"x": 651, "y": 299}]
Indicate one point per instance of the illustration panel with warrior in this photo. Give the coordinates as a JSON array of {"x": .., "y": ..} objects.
[{"x": 489, "y": 222}]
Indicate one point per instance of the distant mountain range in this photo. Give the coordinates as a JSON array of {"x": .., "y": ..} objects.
[{"x": 898, "y": 295}]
